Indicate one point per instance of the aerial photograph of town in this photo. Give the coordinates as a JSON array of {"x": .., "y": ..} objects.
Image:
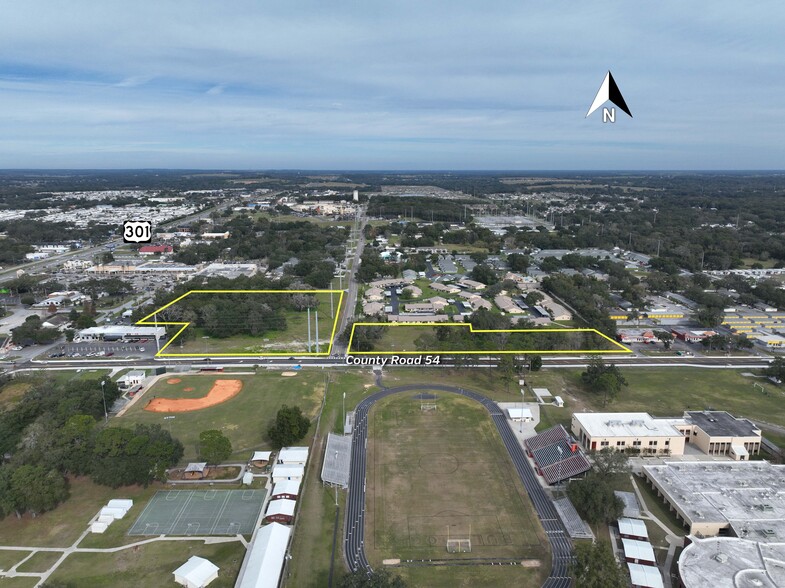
[{"x": 409, "y": 295}]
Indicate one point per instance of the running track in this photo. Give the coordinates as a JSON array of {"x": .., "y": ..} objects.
[{"x": 354, "y": 529}]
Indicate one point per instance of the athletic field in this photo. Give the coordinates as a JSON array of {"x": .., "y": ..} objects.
[
  {"x": 200, "y": 512},
  {"x": 444, "y": 474}
]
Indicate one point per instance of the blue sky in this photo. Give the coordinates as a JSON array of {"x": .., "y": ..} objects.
[{"x": 399, "y": 85}]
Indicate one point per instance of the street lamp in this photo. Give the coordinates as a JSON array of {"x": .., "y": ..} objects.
[{"x": 103, "y": 395}]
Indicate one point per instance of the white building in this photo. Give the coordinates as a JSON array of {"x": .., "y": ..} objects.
[
  {"x": 263, "y": 561},
  {"x": 520, "y": 415},
  {"x": 117, "y": 332},
  {"x": 197, "y": 572},
  {"x": 282, "y": 472},
  {"x": 131, "y": 379},
  {"x": 293, "y": 455}
]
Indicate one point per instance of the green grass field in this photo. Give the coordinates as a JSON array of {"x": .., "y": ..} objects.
[
  {"x": 63, "y": 525},
  {"x": 244, "y": 419},
  {"x": 149, "y": 565},
  {"x": 19, "y": 582},
  {"x": 439, "y": 473},
  {"x": 472, "y": 576},
  {"x": 40, "y": 562},
  {"x": 293, "y": 339},
  {"x": 9, "y": 558},
  {"x": 12, "y": 392}
]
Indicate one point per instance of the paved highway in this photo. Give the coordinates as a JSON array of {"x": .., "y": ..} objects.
[{"x": 354, "y": 529}]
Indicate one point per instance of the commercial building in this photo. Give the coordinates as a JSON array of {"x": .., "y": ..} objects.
[
  {"x": 623, "y": 430},
  {"x": 713, "y": 432},
  {"x": 118, "y": 332},
  {"x": 743, "y": 499}
]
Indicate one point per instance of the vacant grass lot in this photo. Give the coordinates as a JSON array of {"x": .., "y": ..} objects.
[
  {"x": 244, "y": 419},
  {"x": 63, "y": 525},
  {"x": 149, "y": 565},
  {"x": 293, "y": 339},
  {"x": 439, "y": 473}
]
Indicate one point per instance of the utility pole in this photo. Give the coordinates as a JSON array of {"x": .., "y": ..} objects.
[
  {"x": 309, "y": 329},
  {"x": 103, "y": 395},
  {"x": 316, "y": 312}
]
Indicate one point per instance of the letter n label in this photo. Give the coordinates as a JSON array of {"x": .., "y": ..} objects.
[{"x": 609, "y": 115}]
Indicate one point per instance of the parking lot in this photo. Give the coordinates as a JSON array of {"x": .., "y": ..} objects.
[{"x": 143, "y": 348}]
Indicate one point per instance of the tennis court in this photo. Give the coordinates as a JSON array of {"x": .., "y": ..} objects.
[{"x": 200, "y": 512}]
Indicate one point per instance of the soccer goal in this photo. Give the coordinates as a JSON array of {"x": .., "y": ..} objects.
[
  {"x": 459, "y": 545},
  {"x": 428, "y": 406}
]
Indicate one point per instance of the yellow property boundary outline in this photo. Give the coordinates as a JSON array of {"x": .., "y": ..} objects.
[
  {"x": 184, "y": 325},
  {"x": 619, "y": 347}
]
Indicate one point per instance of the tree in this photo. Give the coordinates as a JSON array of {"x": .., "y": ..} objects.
[
  {"x": 604, "y": 379},
  {"x": 535, "y": 363},
  {"x": 518, "y": 262},
  {"x": 27, "y": 299},
  {"x": 506, "y": 370},
  {"x": 483, "y": 273},
  {"x": 214, "y": 446},
  {"x": 380, "y": 579},
  {"x": 777, "y": 369},
  {"x": 666, "y": 337},
  {"x": 594, "y": 499},
  {"x": 595, "y": 566},
  {"x": 609, "y": 463},
  {"x": 290, "y": 426},
  {"x": 84, "y": 321},
  {"x": 710, "y": 316},
  {"x": 107, "y": 257},
  {"x": 37, "y": 489}
]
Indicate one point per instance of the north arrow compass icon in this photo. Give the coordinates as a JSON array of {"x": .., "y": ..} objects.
[{"x": 609, "y": 92}]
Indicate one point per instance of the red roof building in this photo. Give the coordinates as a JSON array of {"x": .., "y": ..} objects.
[{"x": 155, "y": 249}]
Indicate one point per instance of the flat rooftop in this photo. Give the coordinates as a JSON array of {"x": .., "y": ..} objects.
[
  {"x": 625, "y": 424},
  {"x": 747, "y": 495},
  {"x": 730, "y": 562},
  {"x": 722, "y": 424}
]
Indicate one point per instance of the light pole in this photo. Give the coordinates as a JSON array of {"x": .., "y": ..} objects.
[{"x": 103, "y": 395}]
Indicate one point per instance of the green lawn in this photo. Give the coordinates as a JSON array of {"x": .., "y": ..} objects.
[
  {"x": 484, "y": 380},
  {"x": 18, "y": 582},
  {"x": 245, "y": 418},
  {"x": 473, "y": 576},
  {"x": 149, "y": 565},
  {"x": 12, "y": 392},
  {"x": 9, "y": 558},
  {"x": 63, "y": 525},
  {"x": 40, "y": 562}
]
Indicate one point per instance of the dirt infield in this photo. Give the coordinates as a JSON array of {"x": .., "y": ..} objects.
[
  {"x": 173, "y": 381},
  {"x": 221, "y": 391}
]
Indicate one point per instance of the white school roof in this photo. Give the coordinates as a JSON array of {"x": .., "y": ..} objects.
[
  {"x": 197, "y": 571},
  {"x": 630, "y": 526},
  {"x": 261, "y": 456},
  {"x": 264, "y": 561},
  {"x": 647, "y": 576},
  {"x": 98, "y": 527},
  {"x": 520, "y": 413},
  {"x": 641, "y": 550},
  {"x": 125, "y": 503},
  {"x": 288, "y": 470},
  {"x": 280, "y": 507},
  {"x": 286, "y": 487},
  {"x": 293, "y": 455},
  {"x": 625, "y": 424},
  {"x": 117, "y": 513},
  {"x": 634, "y": 527}
]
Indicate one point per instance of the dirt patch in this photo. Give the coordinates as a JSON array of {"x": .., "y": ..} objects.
[
  {"x": 189, "y": 389},
  {"x": 288, "y": 374},
  {"x": 173, "y": 381},
  {"x": 221, "y": 391}
]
